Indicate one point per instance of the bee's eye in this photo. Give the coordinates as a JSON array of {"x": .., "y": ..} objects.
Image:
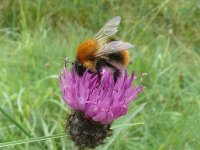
[
  {"x": 79, "y": 68},
  {"x": 77, "y": 63}
]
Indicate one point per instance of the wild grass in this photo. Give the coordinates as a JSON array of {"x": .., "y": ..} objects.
[{"x": 35, "y": 34}]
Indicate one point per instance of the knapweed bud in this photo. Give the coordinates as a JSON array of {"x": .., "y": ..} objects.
[
  {"x": 85, "y": 132},
  {"x": 95, "y": 104}
]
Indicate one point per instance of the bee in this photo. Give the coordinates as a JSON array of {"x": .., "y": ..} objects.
[{"x": 95, "y": 54}]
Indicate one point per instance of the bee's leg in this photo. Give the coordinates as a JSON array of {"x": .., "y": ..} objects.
[
  {"x": 117, "y": 74},
  {"x": 99, "y": 65},
  {"x": 102, "y": 63},
  {"x": 116, "y": 71}
]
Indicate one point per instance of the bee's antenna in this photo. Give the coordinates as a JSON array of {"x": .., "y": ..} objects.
[{"x": 66, "y": 61}]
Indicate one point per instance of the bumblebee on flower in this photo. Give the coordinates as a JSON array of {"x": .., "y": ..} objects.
[{"x": 97, "y": 91}]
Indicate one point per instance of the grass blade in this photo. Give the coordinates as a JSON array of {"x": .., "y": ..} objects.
[
  {"x": 31, "y": 140},
  {"x": 17, "y": 125}
]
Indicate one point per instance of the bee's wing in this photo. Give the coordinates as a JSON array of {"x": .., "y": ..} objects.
[
  {"x": 113, "y": 47},
  {"x": 109, "y": 28}
]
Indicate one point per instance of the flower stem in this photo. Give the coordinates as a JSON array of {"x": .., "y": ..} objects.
[{"x": 80, "y": 148}]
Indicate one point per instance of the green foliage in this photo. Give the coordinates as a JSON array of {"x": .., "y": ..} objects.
[{"x": 35, "y": 34}]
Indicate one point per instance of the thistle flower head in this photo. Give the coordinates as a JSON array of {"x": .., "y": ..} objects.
[{"x": 101, "y": 101}]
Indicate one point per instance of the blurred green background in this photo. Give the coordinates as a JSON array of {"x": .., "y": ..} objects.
[{"x": 34, "y": 34}]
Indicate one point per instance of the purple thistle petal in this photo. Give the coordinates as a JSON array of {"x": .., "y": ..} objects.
[{"x": 102, "y": 101}]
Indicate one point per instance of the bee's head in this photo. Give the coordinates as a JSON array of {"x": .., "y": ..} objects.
[{"x": 79, "y": 68}]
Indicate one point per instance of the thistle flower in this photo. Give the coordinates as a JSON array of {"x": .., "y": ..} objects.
[{"x": 95, "y": 104}]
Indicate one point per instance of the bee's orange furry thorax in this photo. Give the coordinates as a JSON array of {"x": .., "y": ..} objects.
[{"x": 86, "y": 50}]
